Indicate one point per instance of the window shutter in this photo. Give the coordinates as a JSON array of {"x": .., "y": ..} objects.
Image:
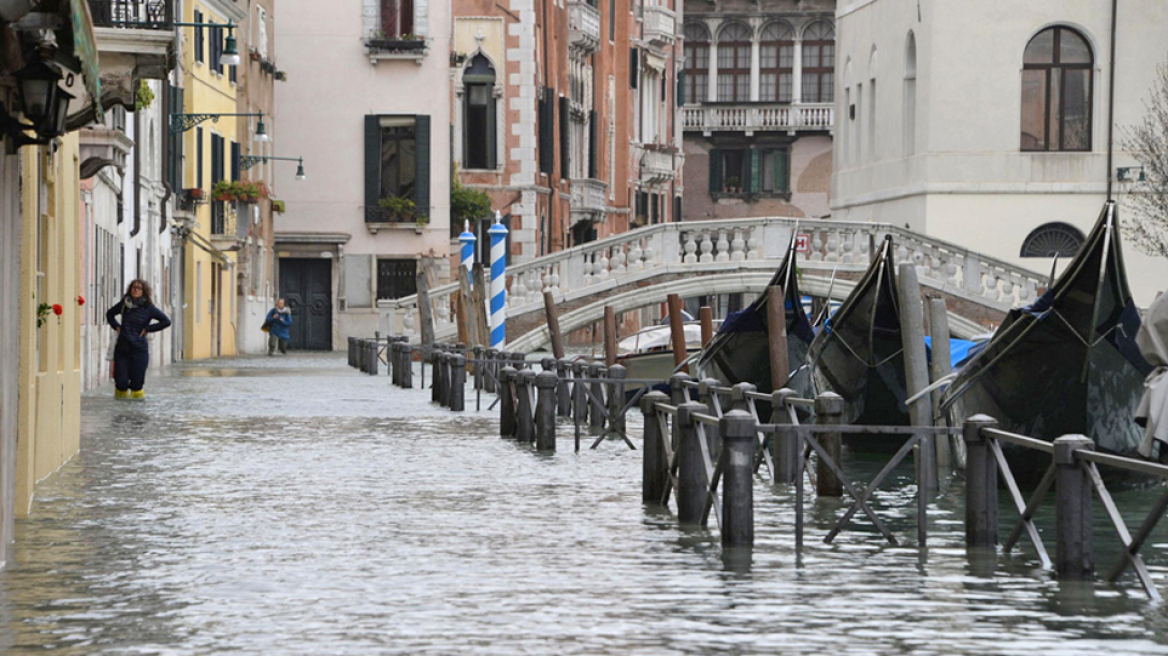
[
  {"x": 372, "y": 167},
  {"x": 681, "y": 87},
  {"x": 715, "y": 171},
  {"x": 546, "y": 111},
  {"x": 782, "y": 171},
  {"x": 234, "y": 161},
  {"x": 565, "y": 138},
  {"x": 593, "y": 121},
  {"x": 199, "y": 37},
  {"x": 174, "y": 161},
  {"x": 634, "y": 68},
  {"x": 755, "y": 184},
  {"x": 199, "y": 158},
  {"x": 422, "y": 164}
]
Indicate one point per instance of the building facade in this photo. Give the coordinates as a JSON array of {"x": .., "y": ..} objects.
[
  {"x": 758, "y": 108},
  {"x": 367, "y": 103},
  {"x": 1005, "y": 153}
]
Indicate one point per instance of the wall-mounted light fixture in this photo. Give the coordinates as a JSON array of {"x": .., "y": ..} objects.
[
  {"x": 248, "y": 161},
  {"x": 183, "y": 122},
  {"x": 230, "y": 54}
]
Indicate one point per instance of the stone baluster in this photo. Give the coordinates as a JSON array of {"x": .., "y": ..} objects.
[
  {"x": 408, "y": 319},
  {"x": 754, "y": 244},
  {"x": 848, "y": 247},
  {"x": 816, "y": 246},
  {"x": 865, "y": 246},
  {"x": 635, "y": 254},
  {"x": 443, "y": 310},
  {"x": 737, "y": 246},
  {"x": 691, "y": 249},
  {"x": 833, "y": 246},
  {"x": 518, "y": 291},
  {"x": 950, "y": 271},
  {"x": 586, "y": 268},
  {"x": 723, "y": 246},
  {"x": 618, "y": 260},
  {"x": 707, "y": 249},
  {"x": 991, "y": 284},
  {"x": 554, "y": 284},
  {"x": 602, "y": 264},
  {"x": 1008, "y": 289}
]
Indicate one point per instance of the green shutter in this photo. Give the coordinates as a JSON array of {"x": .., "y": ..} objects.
[
  {"x": 755, "y": 184},
  {"x": 681, "y": 87},
  {"x": 782, "y": 171},
  {"x": 372, "y": 167},
  {"x": 422, "y": 164},
  {"x": 715, "y": 171}
]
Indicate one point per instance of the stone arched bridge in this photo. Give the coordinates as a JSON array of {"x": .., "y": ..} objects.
[{"x": 642, "y": 267}]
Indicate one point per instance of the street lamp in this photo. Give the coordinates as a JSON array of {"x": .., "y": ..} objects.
[
  {"x": 44, "y": 103},
  {"x": 261, "y": 133},
  {"x": 183, "y": 122},
  {"x": 248, "y": 161},
  {"x": 230, "y": 54}
]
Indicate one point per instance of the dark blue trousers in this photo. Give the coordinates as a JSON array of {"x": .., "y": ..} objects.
[{"x": 130, "y": 368}]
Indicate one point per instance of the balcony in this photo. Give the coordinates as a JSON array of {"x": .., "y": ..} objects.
[
  {"x": 758, "y": 117},
  {"x": 660, "y": 26},
  {"x": 583, "y": 26},
  {"x": 102, "y": 146},
  {"x": 588, "y": 200},
  {"x": 229, "y": 224},
  {"x": 134, "y": 41},
  {"x": 656, "y": 163}
]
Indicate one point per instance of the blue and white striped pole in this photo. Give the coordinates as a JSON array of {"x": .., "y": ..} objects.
[
  {"x": 467, "y": 239},
  {"x": 498, "y": 234}
]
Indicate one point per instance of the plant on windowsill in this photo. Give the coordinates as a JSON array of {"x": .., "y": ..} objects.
[
  {"x": 400, "y": 209},
  {"x": 466, "y": 204},
  {"x": 390, "y": 43},
  {"x": 731, "y": 186},
  {"x": 240, "y": 191}
]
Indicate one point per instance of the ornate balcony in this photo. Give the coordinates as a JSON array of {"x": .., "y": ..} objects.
[
  {"x": 656, "y": 163},
  {"x": 758, "y": 117},
  {"x": 229, "y": 224},
  {"x": 660, "y": 26},
  {"x": 583, "y": 26},
  {"x": 588, "y": 200},
  {"x": 134, "y": 40}
]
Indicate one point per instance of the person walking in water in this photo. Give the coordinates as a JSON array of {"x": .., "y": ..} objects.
[
  {"x": 279, "y": 323},
  {"x": 139, "y": 316}
]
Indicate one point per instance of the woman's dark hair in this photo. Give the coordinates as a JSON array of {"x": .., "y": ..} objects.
[{"x": 145, "y": 290}]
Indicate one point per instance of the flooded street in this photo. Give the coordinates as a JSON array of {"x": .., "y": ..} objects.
[{"x": 295, "y": 506}]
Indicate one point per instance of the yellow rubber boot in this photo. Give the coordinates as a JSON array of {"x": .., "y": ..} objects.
[
  {"x": 121, "y": 394},
  {"x": 138, "y": 394}
]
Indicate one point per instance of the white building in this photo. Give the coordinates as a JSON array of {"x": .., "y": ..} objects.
[
  {"x": 367, "y": 104},
  {"x": 986, "y": 123}
]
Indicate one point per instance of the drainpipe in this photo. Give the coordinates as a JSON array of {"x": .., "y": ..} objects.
[
  {"x": 1111, "y": 97},
  {"x": 137, "y": 178}
]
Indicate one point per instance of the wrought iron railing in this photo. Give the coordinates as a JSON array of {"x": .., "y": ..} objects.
[{"x": 133, "y": 14}]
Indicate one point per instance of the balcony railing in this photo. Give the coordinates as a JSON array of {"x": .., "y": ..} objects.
[
  {"x": 660, "y": 26},
  {"x": 229, "y": 224},
  {"x": 583, "y": 25},
  {"x": 758, "y": 118},
  {"x": 133, "y": 14},
  {"x": 656, "y": 164},
  {"x": 588, "y": 199}
]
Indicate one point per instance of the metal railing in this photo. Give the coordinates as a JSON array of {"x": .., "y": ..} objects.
[{"x": 133, "y": 14}]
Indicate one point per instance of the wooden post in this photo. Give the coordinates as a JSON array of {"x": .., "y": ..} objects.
[
  {"x": 596, "y": 405},
  {"x": 458, "y": 382},
  {"x": 677, "y": 333},
  {"x": 777, "y": 336},
  {"x": 479, "y": 298},
  {"x": 616, "y": 397},
  {"x": 477, "y": 353},
  {"x": 916, "y": 370},
  {"x": 939, "y": 368},
  {"x": 407, "y": 372},
  {"x": 547, "y": 364},
  {"x": 738, "y": 446},
  {"x": 435, "y": 375},
  {"x": 563, "y": 387},
  {"x": 691, "y": 473},
  {"x": 829, "y": 408},
  {"x": 655, "y": 462},
  {"x": 466, "y": 327},
  {"x": 610, "y": 337},
  {"x": 579, "y": 398},
  {"x": 981, "y": 484},
  {"x": 706, "y": 316},
  {"x": 507, "y": 419},
  {"x": 545, "y": 411},
  {"x": 785, "y": 446},
  {"x": 425, "y": 312},
  {"x": 708, "y": 396},
  {"x": 553, "y": 323},
  {"x": 677, "y": 388},
  {"x": 1074, "y": 553},
  {"x": 490, "y": 370},
  {"x": 352, "y": 351},
  {"x": 525, "y": 424}
]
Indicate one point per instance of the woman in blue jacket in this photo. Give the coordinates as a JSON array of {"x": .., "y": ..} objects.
[
  {"x": 279, "y": 323},
  {"x": 132, "y": 353}
]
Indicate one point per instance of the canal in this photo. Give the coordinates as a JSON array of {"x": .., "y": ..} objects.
[{"x": 295, "y": 506}]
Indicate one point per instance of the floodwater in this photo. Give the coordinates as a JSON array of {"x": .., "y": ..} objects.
[{"x": 295, "y": 506}]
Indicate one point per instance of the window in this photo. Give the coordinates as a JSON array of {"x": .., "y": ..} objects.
[
  {"x": 261, "y": 36},
  {"x": 819, "y": 63},
  {"x": 199, "y": 38},
  {"x": 697, "y": 64},
  {"x": 547, "y": 109},
  {"x": 1056, "y": 92},
  {"x": 479, "y": 115},
  {"x": 776, "y": 63},
  {"x": 218, "y": 209},
  {"x": 754, "y": 171},
  {"x": 397, "y": 165},
  {"x": 1053, "y": 239},
  {"x": 396, "y": 278},
  {"x": 199, "y": 158},
  {"x": 216, "y": 34},
  {"x": 397, "y": 18},
  {"x": 734, "y": 63},
  {"x": 910, "y": 95}
]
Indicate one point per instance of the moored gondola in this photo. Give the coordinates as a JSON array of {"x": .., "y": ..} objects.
[
  {"x": 859, "y": 354},
  {"x": 1068, "y": 364},
  {"x": 740, "y": 352}
]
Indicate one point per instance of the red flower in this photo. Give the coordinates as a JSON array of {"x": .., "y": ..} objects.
[
  {"x": 57, "y": 309},
  {"x": 81, "y": 300}
]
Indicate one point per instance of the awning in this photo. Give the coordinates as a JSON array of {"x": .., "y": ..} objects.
[
  {"x": 85, "y": 50},
  {"x": 199, "y": 242}
]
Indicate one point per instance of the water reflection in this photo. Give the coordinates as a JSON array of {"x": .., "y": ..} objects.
[{"x": 308, "y": 509}]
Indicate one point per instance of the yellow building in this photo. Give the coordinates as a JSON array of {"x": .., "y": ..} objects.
[
  {"x": 210, "y": 147},
  {"x": 49, "y": 414}
]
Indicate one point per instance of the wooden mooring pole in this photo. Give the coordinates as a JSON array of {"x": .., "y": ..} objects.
[
  {"x": 1074, "y": 549},
  {"x": 777, "y": 336},
  {"x": 507, "y": 420},
  {"x": 457, "y": 394},
  {"x": 425, "y": 311},
  {"x": 939, "y": 367},
  {"x": 525, "y": 417},
  {"x": 610, "y": 336},
  {"x": 553, "y": 324},
  {"x": 738, "y": 446},
  {"x": 677, "y": 333},
  {"x": 706, "y": 316},
  {"x": 981, "y": 484},
  {"x": 829, "y": 410},
  {"x": 545, "y": 411},
  {"x": 655, "y": 461},
  {"x": 691, "y": 474},
  {"x": 912, "y": 332},
  {"x": 785, "y": 445}
]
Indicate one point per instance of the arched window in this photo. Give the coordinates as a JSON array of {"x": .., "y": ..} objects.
[
  {"x": 697, "y": 64},
  {"x": 1053, "y": 239},
  {"x": 1056, "y": 91},
  {"x": 478, "y": 126},
  {"x": 734, "y": 63},
  {"x": 819, "y": 63},
  {"x": 777, "y": 59}
]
